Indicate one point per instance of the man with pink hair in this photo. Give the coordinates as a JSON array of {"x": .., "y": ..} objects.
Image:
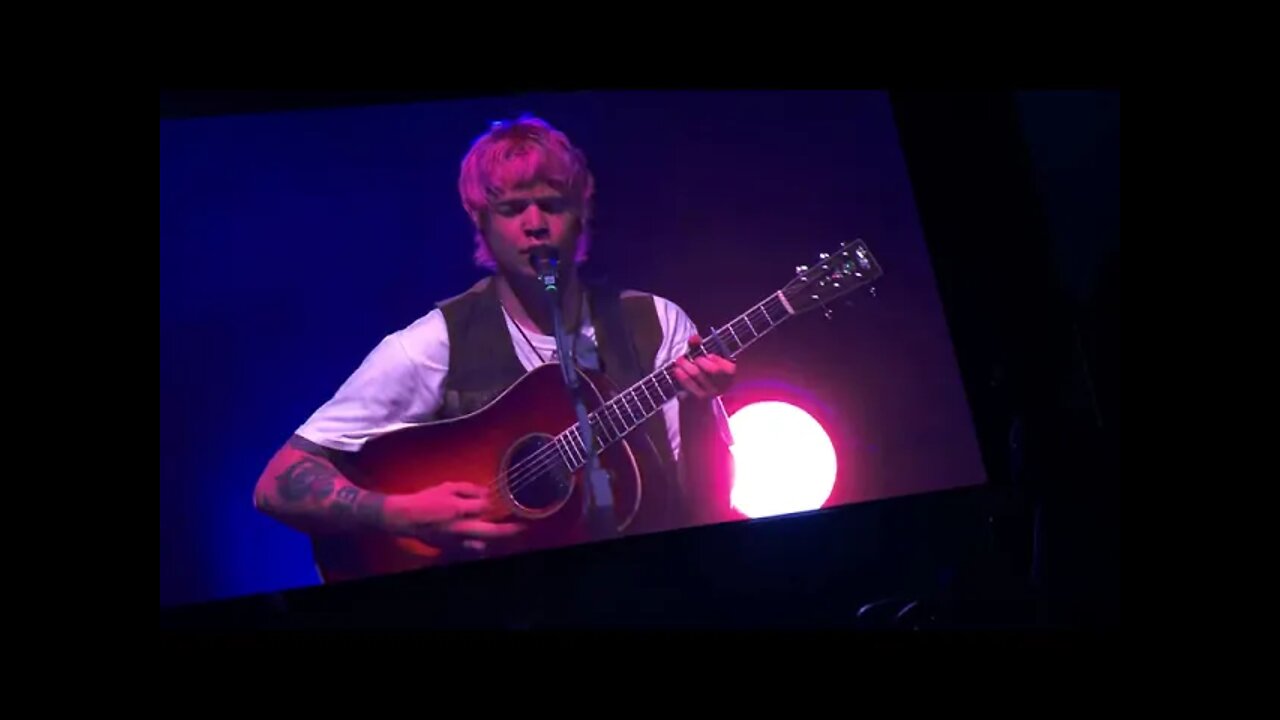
[{"x": 524, "y": 186}]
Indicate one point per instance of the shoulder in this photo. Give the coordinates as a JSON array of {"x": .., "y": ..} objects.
[
  {"x": 674, "y": 320},
  {"x": 472, "y": 292},
  {"x": 429, "y": 334},
  {"x": 458, "y": 307},
  {"x": 670, "y": 316},
  {"x": 425, "y": 340},
  {"x": 666, "y": 309},
  {"x": 675, "y": 324}
]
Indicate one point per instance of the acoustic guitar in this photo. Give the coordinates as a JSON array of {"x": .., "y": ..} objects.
[{"x": 525, "y": 445}]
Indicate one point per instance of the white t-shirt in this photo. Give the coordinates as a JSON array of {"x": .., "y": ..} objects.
[{"x": 401, "y": 382}]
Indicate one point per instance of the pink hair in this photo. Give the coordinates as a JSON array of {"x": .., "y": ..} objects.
[{"x": 519, "y": 153}]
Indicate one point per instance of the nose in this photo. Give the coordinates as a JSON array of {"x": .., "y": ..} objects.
[{"x": 534, "y": 223}]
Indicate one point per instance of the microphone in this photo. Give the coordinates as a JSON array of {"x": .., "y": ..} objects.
[{"x": 545, "y": 261}]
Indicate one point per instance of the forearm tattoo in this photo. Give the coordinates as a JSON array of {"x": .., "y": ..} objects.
[
  {"x": 312, "y": 481},
  {"x": 308, "y": 478},
  {"x": 353, "y": 502},
  {"x": 345, "y": 503}
]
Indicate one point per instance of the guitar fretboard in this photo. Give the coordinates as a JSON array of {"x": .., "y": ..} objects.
[{"x": 638, "y": 403}]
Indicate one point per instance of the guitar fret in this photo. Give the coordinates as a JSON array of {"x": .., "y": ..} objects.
[
  {"x": 576, "y": 446},
  {"x": 598, "y": 431},
  {"x": 762, "y": 310},
  {"x": 608, "y": 430},
  {"x": 652, "y": 405},
  {"x": 725, "y": 349},
  {"x": 661, "y": 401},
  {"x": 670, "y": 388},
  {"x": 608, "y": 416},
  {"x": 562, "y": 447},
  {"x": 769, "y": 316},
  {"x": 631, "y": 407},
  {"x": 616, "y": 406},
  {"x": 735, "y": 336}
]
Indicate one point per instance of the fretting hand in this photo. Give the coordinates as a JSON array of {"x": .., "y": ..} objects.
[{"x": 706, "y": 377}]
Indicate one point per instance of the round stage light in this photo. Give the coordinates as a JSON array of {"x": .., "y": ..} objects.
[{"x": 783, "y": 460}]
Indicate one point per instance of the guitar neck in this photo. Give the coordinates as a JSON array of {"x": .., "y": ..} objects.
[{"x": 638, "y": 403}]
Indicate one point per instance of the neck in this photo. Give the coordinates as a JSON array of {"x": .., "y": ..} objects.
[{"x": 525, "y": 300}]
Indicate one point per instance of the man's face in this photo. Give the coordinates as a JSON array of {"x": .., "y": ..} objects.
[{"x": 524, "y": 218}]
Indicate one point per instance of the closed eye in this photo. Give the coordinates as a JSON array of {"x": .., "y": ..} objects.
[{"x": 549, "y": 205}]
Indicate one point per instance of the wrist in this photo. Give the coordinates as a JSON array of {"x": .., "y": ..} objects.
[
  {"x": 392, "y": 516},
  {"x": 357, "y": 509}
]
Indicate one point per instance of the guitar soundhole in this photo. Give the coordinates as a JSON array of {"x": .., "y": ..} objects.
[{"x": 537, "y": 478}]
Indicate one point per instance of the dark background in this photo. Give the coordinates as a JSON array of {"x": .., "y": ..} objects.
[{"x": 1018, "y": 196}]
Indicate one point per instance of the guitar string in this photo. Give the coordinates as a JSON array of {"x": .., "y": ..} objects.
[{"x": 547, "y": 457}]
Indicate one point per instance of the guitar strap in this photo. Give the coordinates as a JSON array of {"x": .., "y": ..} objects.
[
  {"x": 616, "y": 341},
  {"x": 620, "y": 360}
]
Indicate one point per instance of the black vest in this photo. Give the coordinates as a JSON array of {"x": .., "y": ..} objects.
[{"x": 483, "y": 363}]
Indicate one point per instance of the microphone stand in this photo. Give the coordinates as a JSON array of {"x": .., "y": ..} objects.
[{"x": 598, "y": 494}]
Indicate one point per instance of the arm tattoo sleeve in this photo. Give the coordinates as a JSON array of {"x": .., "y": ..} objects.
[
  {"x": 345, "y": 502},
  {"x": 364, "y": 506},
  {"x": 313, "y": 483},
  {"x": 305, "y": 479}
]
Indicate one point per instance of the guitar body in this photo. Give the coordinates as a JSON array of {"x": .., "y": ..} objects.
[{"x": 506, "y": 447}]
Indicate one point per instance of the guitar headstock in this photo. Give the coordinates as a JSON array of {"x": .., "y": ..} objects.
[{"x": 837, "y": 274}]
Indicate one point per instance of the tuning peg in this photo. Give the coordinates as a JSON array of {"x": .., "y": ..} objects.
[
  {"x": 802, "y": 269},
  {"x": 826, "y": 311},
  {"x": 823, "y": 256}
]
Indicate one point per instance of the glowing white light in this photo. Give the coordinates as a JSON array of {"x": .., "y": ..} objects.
[{"x": 783, "y": 460}]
